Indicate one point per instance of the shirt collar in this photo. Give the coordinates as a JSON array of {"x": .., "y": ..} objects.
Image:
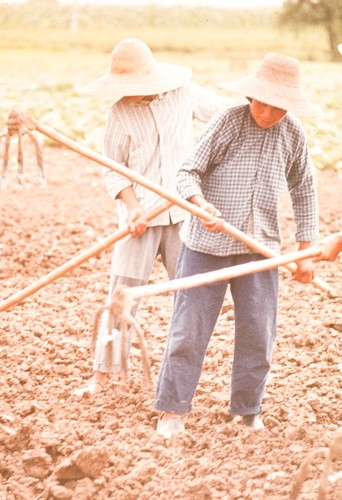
[{"x": 146, "y": 102}]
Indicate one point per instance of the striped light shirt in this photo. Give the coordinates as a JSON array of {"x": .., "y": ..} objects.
[
  {"x": 154, "y": 138},
  {"x": 242, "y": 170}
]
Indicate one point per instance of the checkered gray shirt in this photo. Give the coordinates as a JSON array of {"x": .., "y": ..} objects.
[{"x": 243, "y": 169}]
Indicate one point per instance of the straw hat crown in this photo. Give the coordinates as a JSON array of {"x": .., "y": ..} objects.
[
  {"x": 276, "y": 82},
  {"x": 133, "y": 71},
  {"x": 278, "y": 69},
  {"x": 132, "y": 57}
]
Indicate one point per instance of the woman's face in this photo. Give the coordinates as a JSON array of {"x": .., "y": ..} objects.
[{"x": 266, "y": 116}]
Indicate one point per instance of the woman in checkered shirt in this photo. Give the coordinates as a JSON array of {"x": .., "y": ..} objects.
[{"x": 237, "y": 172}]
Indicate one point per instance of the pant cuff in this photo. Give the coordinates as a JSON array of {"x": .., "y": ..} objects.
[
  {"x": 255, "y": 410},
  {"x": 172, "y": 407},
  {"x": 102, "y": 367}
]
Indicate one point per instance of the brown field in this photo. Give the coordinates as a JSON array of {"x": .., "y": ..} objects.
[
  {"x": 45, "y": 353},
  {"x": 54, "y": 445}
]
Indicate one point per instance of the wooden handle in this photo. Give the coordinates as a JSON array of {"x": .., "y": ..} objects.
[
  {"x": 165, "y": 193},
  {"x": 135, "y": 293},
  {"x": 76, "y": 261}
]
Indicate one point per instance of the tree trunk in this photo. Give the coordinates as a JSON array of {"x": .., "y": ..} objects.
[{"x": 332, "y": 34}]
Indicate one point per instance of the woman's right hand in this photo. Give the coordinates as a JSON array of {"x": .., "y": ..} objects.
[
  {"x": 216, "y": 223},
  {"x": 136, "y": 223}
]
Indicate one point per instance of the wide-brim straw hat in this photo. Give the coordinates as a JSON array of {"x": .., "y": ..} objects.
[
  {"x": 276, "y": 82},
  {"x": 133, "y": 71}
]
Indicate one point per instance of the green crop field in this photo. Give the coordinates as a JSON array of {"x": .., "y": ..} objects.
[{"x": 43, "y": 63}]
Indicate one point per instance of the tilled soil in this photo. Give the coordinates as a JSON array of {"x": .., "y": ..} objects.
[{"x": 55, "y": 445}]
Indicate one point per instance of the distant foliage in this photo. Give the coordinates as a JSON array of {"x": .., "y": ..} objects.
[
  {"x": 326, "y": 13},
  {"x": 50, "y": 25},
  {"x": 50, "y": 14},
  {"x": 43, "y": 62}
]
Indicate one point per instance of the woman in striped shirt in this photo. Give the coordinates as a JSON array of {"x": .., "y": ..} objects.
[{"x": 150, "y": 130}]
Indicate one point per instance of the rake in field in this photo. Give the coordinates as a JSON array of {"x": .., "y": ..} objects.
[
  {"x": 124, "y": 298},
  {"x": 330, "y": 453},
  {"x": 18, "y": 125},
  {"x": 119, "y": 313}
]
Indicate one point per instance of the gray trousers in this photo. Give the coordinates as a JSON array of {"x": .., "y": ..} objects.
[
  {"x": 132, "y": 265},
  {"x": 194, "y": 317}
]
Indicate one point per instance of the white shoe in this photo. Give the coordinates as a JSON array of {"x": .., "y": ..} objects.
[
  {"x": 88, "y": 390},
  {"x": 170, "y": 426},
  {"x": 253, "y": 421}
]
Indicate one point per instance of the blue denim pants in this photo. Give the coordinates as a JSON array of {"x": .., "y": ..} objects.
[{"x": 196, "y": 310}]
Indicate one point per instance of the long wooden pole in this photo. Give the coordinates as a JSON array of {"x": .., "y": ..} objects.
[
  {"x": 76, "y": 261},
  {"x": 167, "y": 194},
  {"x": 134, "y": 293}
]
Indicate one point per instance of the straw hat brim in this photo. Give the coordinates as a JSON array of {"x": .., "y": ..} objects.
[
  {"x": 163, "y": 78},
  {"x": 282, "y": 96}
]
